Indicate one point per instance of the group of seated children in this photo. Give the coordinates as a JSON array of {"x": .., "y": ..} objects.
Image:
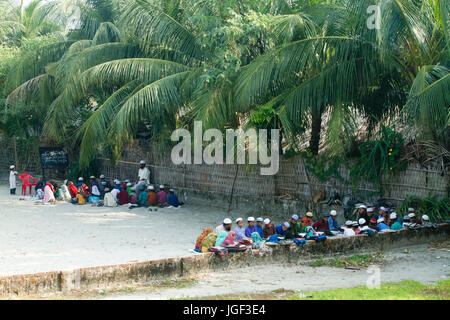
[
  {"x": 259, "y": 229},
  {"x": 103, "y": 193}
]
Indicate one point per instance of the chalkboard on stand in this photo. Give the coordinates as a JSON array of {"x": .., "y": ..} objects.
[{"x": 52, "y": 158}]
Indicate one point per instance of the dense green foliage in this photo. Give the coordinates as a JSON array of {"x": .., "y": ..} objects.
[{"x": 96, "y": 73}]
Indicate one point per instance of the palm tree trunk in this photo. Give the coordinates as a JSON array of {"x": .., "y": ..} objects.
[{"x": 316, "y": 124}]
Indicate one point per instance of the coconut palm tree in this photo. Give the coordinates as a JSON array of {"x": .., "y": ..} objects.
[
  {"x": 27, "y": 21},
  {"x": 348, "y": 64}
]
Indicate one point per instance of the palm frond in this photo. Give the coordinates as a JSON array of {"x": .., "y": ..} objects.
[
  {"x": 94, "y": 132},
  {"x": 153, "y": 27},
  {"x": 159, "y": 97},
  {"x": 428, "y": 104},
  {"x": 33, "y": 64},
  {"x": 106, "y": 32}
]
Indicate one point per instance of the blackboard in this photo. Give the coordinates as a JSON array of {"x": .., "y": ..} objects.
[{"x": 53, "y": 158}]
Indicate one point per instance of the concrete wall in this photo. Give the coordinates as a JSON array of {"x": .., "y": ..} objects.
[{"x": 102, "y": 277}]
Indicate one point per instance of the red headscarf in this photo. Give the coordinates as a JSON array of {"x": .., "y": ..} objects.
[
  {"x": 229, "y": 239},
  {"x": 51, "y": 187}
]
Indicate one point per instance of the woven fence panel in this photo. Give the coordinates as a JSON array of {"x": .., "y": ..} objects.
[{"x": 291, "y": 182}]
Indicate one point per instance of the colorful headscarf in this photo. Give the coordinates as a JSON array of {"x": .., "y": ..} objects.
[
  {"x": 310, "y": 231},
  {"x": 256, "y": 238},
  {"x": 200, "y": 238},
  {"x": 221, "y": 238},
  {"x": 209, "y": 240},
  {"x": 229, "y": 239}
]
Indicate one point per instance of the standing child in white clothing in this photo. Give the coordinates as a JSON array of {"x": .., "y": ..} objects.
[{"x": 12, "y": 180}]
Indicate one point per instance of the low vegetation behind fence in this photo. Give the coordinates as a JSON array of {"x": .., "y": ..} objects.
[{"x": 291, "y": 182}]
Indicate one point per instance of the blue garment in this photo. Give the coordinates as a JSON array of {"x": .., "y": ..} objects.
[
  {"x": 79, "y": 184},
  {"x": 142, "y": 199},
  {"x": 260, "y": 231},
  {"x": 172, "y": 199},
  {"x": 240, "y": 233},
  {"x": 383, "y": 226},
  {"x": 280, "y": 231},
  {"x": 332, "y": 224},
  {"x": 273, "y": 238},
  {"x": 249, "y": 230},
  {"x": 118, "y": 187}
]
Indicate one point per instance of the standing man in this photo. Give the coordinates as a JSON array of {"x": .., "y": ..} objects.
[
  {"x": 12, "y": 179},
  {"x": 143, "y": 173}
]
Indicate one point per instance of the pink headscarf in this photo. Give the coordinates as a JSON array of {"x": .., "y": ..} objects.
[{"x": 229, "y": 239}]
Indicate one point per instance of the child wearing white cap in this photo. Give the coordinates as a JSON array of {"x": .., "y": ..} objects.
[
  {"x": 383, "y": 224},
  {"x": 12, "y": 179},
  {"x": 395, "y": 224},
  {"x": 259, "y": 227},
  {"x": 269, "y": 228},
  {"x": 161, "y": 196},
  {"x": 348, "y": 232},
  {"x": 240, "y": 230},
  {"x": 251, "y": 227},
  {"x": 282, "y": 229}
]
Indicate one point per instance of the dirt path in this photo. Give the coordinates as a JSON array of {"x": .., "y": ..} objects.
[{"x": 419, "y": 264}]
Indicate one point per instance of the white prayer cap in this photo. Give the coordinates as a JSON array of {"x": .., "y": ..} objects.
[
  {"x": 411, "y": 209},
  {"x": 65, "y": 181},
  {"x": 80, "y": 179},
  {"x": 227, "y": 221},
  {"x": 266, "y": 221},
  {"x": 383, "y": 208},
  {"x": 102, "y": 176},
  {"x": 295, "y": 217},
  {"x": 259, "y": 219},
  {"x": 127, "y": 180},
  {"x": 133, "y": 188},
  {"x": 333, "y": 212},
  {"x": 425, "y": 217},
  {"x": 129, "y": 184},
  {"x": 142, "y": 162},
  {"x": 309, "y": 214},
  {"x": 238, "y": 219},
  {"x": 412, "y": 214},
  {"x": 393, "y": 215},
  {"x": 348, "y": 223},
  {"x": 355, "y": 223},
  {"x": 92, "y": 177},
  {"x": 151, "y": 188},
  {"x": 12, "y": 166},
  {"x": 362, "y": 221},
  {"x": 286, "y": 224},
  {"x": 161, "y": 186},
  {"x": 117, "y": 181},
  {"x": 171, "y": 190},
  {"x": 370, "y": 209},
  {"x": 251, "y": 219},
  {"x": 380, "y": 220},
  {"x": 362, "y": 206}
]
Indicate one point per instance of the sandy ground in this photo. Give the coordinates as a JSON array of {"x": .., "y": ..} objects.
[
  {"x": 420, "y": 265},
  {"x": 37, "y": 237}
]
